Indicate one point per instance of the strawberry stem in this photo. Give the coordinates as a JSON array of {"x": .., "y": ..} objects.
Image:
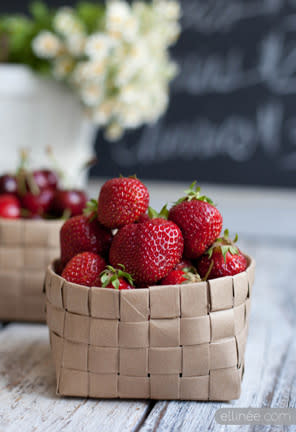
[
  {"x": 205, "y": 278},
  {"x": 193, "y": 193},
  {"x": 225, "y": 244}
]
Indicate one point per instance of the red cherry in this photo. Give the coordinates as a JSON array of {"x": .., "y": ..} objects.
[
  {"x": 8, "y": 184},
  {"x": 10, "y": 207},
  {"x": 45, "y": 179},
  {"x": 38, "y": 204},
  {"x": 72, "y": 200}
]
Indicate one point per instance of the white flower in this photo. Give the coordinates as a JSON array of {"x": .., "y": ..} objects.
[
  {"x": 98, "y": 46},
  {"x": 76, "y": 44},
  {"x": 122, "y": 70},
  {"x": 131, "y": 29},
  {"x": 170, "y": 10},
  {"x": 120, "y": 22},
  {"x": 130, "y": 116},
  {"x": 103, "y": 113},
  {"x": 118, "y": 12},
  {"x": 89, "y": 71},
  {"x": 129, "y": 94},
  {"x": 114, "y": 131},
  {"x": 66, "y": 23},
  {"x": 46, "y": 45},
  {"x": 91, "y": 93},
  {"x": 173, "y": 33},
  {"x": 62, "y": 67}
]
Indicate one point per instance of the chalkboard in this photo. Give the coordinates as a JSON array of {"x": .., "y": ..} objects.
[{"x": 232, "y": 116}]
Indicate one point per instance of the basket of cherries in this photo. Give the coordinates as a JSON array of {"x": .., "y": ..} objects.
[{"x": 33, "y": 206}]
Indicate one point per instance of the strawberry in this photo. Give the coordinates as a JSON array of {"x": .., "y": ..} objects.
[
  {"x": 174, "y": 277},
  {"x": 148, "y": 250},
  {"x": 81, "y": 234},
  {"x": 180, "y": 276},
  {"x": 122, "y": 201},
  {"x": 223, "y": 258},
  {"x": 85, "y": 269},
  {"x": 184, "y": 264},
  {"x": 116, "y": 278},
  {"x": 199, "y": 221}
]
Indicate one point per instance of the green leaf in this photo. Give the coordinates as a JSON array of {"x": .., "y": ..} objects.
[
  {"x": 116, "y": 283},
  {"x": 152, "y": 213},
  {"x": 104, "y": 277},
  {"x": 91, "y": 15},
  {"x": 193, "y": 193},
  {"x": 91, "y": 209},
  {"x": 39, "y": 11}
]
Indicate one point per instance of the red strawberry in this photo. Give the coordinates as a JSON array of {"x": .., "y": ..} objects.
[
  {"x": 143, "y": 218},
  {"x": 148, "y": 250},
  {"x": 181, "y": 276},
  {"x": 174, "y": 277},
  {"x": 184, "y": 264},
  {"x": 10, "y": 207},
  {"x": 121, "y": 201},
  {"x": 85, "y": 269},
  {"x": 81, "y": 234},
  {"x": 116, "y": 278},
  {"x": 222, "y": 259},
  {"x": 199, "y": 221}
]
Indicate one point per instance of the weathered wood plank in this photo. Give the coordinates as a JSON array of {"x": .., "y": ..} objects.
[
  {"x": 27, "y": 391},
  {"x": 270, "y": 375},
  {"x": 27, "y": 379}
]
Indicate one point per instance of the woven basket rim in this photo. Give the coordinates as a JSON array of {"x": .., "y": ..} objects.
[
  {"x": 41, "y": 221},
  {"x": 250, "y": 259}
]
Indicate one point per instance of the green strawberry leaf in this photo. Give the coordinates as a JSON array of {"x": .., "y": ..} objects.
[
  {"x": 163, "y": 214},
  {"x": 112, "y": 275},
  {"x": 115, "y": 283},
  {"x": 91, "y": 209},
  {"x": 193, "y": 193}
]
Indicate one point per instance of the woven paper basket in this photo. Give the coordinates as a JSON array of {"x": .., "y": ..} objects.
[
  {"x": 26, "y": 249},
  {"x": 164, "y": 342}
]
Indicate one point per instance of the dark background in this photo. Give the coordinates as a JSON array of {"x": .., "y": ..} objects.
[{"x": 232, "y": 116}]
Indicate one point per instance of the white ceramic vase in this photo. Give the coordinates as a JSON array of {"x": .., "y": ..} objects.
[{"x": 36, "y": 113}]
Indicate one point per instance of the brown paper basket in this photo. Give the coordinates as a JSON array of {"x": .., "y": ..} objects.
[
  {"x": 26, "y": 249},
  {"x": 182, "y": 342}
]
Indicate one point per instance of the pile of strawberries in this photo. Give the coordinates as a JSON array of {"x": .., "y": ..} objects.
[
  {"x": 120, "y": 242},
  {"x": 36, "y": 194}
]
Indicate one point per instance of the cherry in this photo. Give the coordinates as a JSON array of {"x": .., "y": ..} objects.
[
  {"x": 10, "y": 207},
  {"x": 45, "y": 179},
  {"x": 8, "y": 184},
  {"x": 38, "y": 204},
  {"x": 73, "y": 201},
  {"x": 52, "y": 178}
]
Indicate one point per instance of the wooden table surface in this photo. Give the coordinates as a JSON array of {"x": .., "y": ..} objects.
[{"x": 27, "y": 380}]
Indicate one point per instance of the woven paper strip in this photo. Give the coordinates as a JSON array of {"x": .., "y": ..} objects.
[{"x": 26, "y": 249}]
